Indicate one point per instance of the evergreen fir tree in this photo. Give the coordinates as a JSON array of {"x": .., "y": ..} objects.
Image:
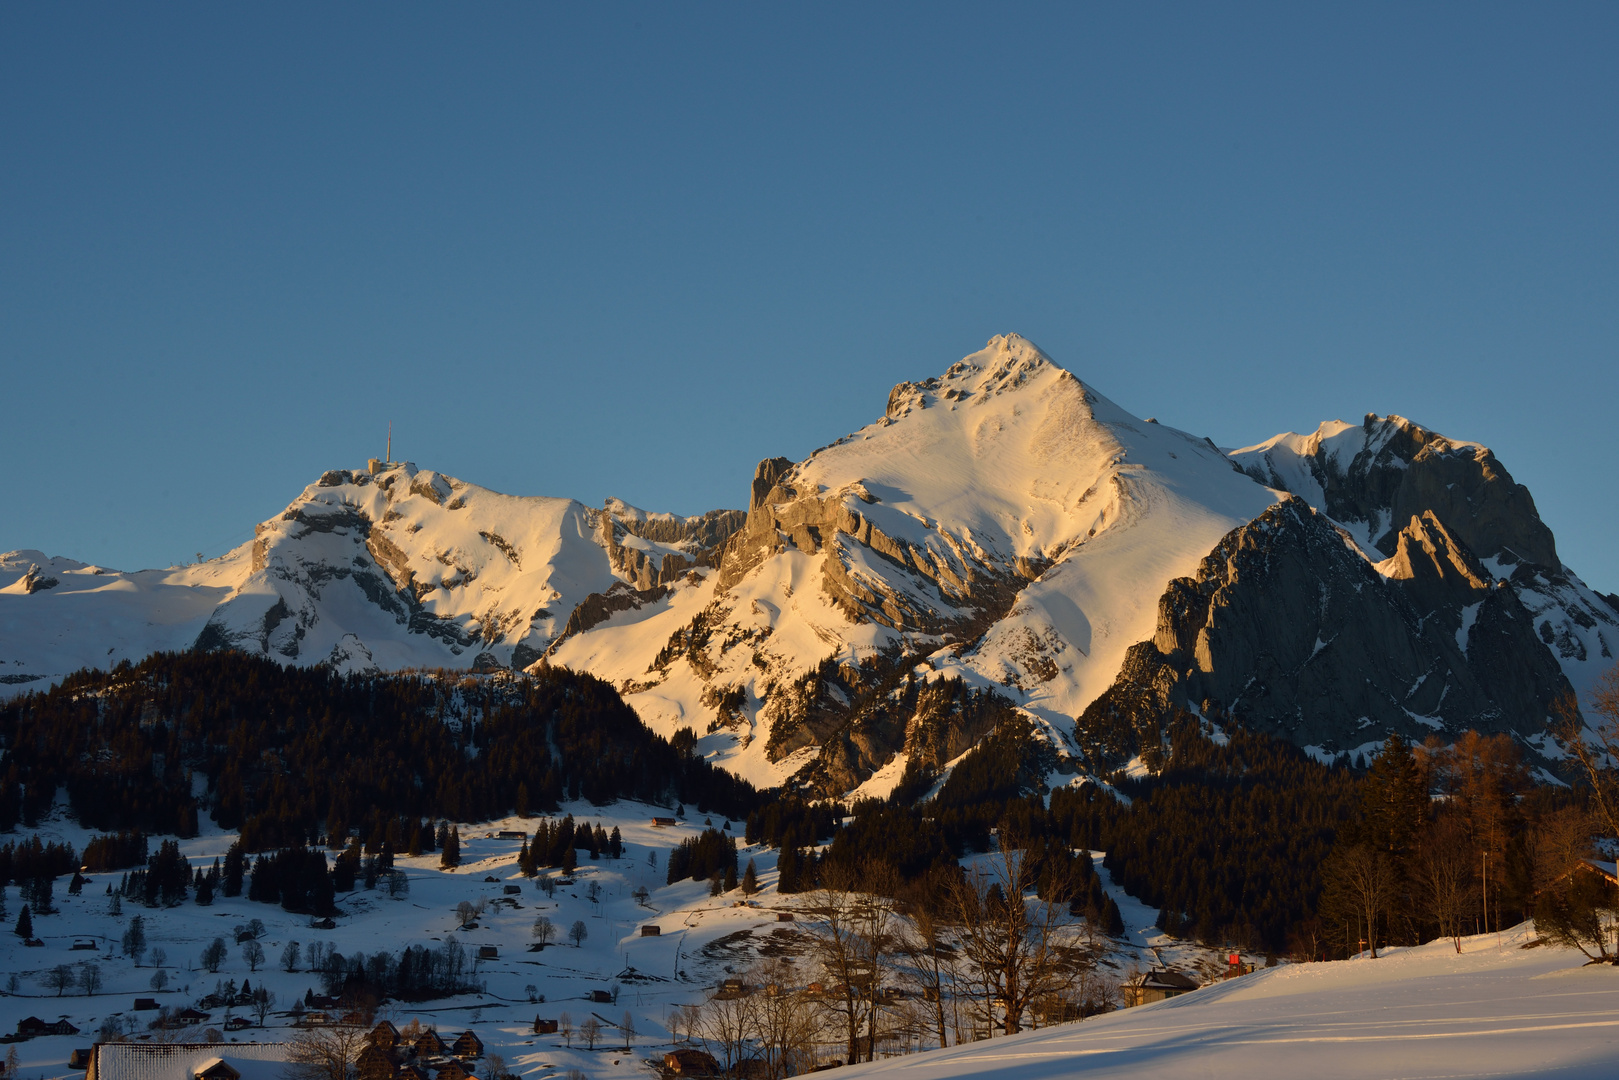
[
  {"x": 787, "y": 870},
  {"x": 235, "y": 864},
  {"x": 25, "y": 923},
  {"x": 750, "y": 879},
  {"x": 730, "y": 877},
  {"x": 1112, "y": 921},
  {"x": 451, "y": 855}
]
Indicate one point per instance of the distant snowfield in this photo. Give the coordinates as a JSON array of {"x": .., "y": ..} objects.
[{"x": 1496, "y": 1010}]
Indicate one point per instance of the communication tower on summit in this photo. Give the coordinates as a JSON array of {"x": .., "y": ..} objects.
[{"x": 373, "y": 466}]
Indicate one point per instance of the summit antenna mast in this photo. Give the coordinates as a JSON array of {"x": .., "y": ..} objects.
[{"x": 390, "y": 456}]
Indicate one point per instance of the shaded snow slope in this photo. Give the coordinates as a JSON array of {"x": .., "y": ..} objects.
[{"x": 1494, "y": 1011}]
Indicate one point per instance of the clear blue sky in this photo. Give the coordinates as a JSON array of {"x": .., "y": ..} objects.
[{"x": 595, "y": 250}]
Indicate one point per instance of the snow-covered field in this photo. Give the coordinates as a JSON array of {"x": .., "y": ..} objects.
[
  {"x": 1496, "y": 1010},
  {"x": 674, "y": 968}
]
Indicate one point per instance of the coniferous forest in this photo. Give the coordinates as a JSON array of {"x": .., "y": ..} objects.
[
  {"x": 1239, "y": 840},
  {"x": 293, "y": 753}
]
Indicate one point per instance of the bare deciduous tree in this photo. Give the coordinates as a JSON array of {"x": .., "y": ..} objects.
[
  {"x": 780, "y": 1021},
  {"x": 853, "y": 930},
  {"x": 213, "y": 955},
  {"x": 590, "y": 1031},
  {"x": 723, "y": 1026},
  {"x": 1599, "y": 762},
  {"x": 1360, "y": 883},
  {"x": 1443, "y": 875},
  {"x": 60, "y": 978},
  {"x": 933, "y": 961},
  {"x": 253, "y": 953},
  {"x": 263, "y": 1001},
  {"x": 327, "y": 1052},
  {"x": 1010, "y": 942}
]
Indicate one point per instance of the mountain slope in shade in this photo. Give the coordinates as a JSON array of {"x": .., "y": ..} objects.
[{"x": 1374, "y": 479}]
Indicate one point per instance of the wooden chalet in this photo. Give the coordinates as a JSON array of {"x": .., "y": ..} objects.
[
  {"x": 468, "y": 1046},
  {"x": 511, "y": 834},
  {"x": 410, "y": 1072},
  {"x": 544, "y": 1027},
  {"x": 488, "y": 952},
  {"x": 429, "y": 1045},
  {"x": 237, "y": 1023},
  {"x": 1156, "y": 985},
  {"x": 145, "y": 1005},
  {"x": 384, "y": 1036},
  {"x": 651, "y": 931},
  {"x": 453, "y": 1071},
  {"x": 663, "y": 822},
  {"x": 33, "y": 1027},
  {"x": 375, "y": 1063},
  {"x": 690, "y": 1063},
  {"x": 216, "y": 1069}
]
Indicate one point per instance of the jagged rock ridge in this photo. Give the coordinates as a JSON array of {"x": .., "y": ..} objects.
[{"x": 1002, "y": 542}]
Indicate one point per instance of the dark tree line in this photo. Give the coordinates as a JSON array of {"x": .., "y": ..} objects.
[
  {"x": 291, "y": 754},
  {"x": 115, "y": 851},
  {"x": 703, "y": 856},
  {"x": 557, "y": 844}
]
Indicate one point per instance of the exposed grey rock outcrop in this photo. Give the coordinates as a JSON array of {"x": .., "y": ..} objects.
[
  {"x": 36, "y": 580},
  {"x": 918, "y": 591},
  {"x": 1287, "y": 629},
  {"x": 1402, "y": 470}
]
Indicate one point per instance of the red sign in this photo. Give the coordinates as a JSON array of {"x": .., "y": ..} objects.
[{"x": 1235, "y": 959}]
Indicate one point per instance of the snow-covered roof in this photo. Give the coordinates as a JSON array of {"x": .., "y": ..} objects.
[{"x": 180, "y": 1061}]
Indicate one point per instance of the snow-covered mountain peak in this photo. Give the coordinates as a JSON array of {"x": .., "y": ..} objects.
[{"x": 1004, "y": 507}]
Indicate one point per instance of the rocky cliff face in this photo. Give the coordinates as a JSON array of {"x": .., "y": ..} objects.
[
  {"x": 1000, "y": 531},
  {"x": 1003, "y": 544},
  {"x": 1286, "y": 628},
  {"x": 1374, "y": 478}
]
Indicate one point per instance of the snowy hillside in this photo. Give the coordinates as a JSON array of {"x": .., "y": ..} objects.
[
  {"x": 1005, "y": 518},
  {"x": 1499, "y": 1009},
  {"x": 404, "y": 568}
]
